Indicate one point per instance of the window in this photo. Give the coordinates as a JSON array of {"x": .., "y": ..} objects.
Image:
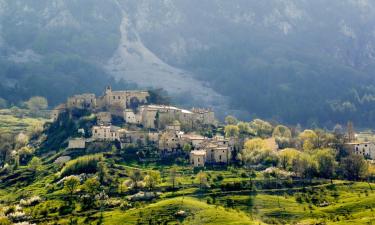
[
  {"x": 198, "y": 160},
  {"x": 119, "y": 97},
  {"x": 114, "y": 97},
  {"x": 220, "y": 157}
]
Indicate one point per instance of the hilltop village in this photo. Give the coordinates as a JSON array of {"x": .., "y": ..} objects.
[
  {"x": 132, "y": 156},
  {"x": 128, "y": 117}
]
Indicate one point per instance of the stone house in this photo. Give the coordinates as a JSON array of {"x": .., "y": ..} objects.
[
  {"x": 217, "y": 154},
  {"x": 82, "y": 101},
  {"x": 198, "y": 158},
  {"x": 195, "y": 140},
  {"x": 105, "y": 133},
  {"x": 366, "y": 149},
  {"x": 170, "y": 142}
]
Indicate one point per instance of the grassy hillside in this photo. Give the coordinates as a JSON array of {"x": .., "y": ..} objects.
[
  {"x": 13, "y": 124},
  {"x": 197, "y": 212}
]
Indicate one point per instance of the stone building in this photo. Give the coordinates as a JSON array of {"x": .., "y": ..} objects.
[
  {"x": 139, "y": 136},
  {"x": 195, "y": 140},
  {"x": 170, "y": 142},
  {"x": 105, "y": 133},
  {"x": 198, "y": 158},
  {"x": 131, "y": 117},
  {"x": 104, "y": 118},
  {"x": 366, "y": 149},
  {"x": 174, "y": 126},
  {"x": 217, "y": 154},
  {"x": 161, "y": 116},
  {"x": 57, "y": 111},
  {"x": 122, "y": 99},
  {"x": 82, "y": 101},
  {"x": 204, "y": 116}
]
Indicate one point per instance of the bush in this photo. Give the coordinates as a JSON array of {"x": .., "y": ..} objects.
[
  {"x": 31, "y": 201},
  {"x": 84, "y": 164},
  {"x": 4, "y": 221}
]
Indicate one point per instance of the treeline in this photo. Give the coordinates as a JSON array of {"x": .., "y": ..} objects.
[
  {"x": 55, "y": 77},
  {"x": 297, "y": 88},
  {"x": 302, "y": 153}
]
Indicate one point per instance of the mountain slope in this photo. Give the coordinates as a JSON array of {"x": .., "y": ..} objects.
[
  {"x": 133, "y": 62},
  {"x": 294, "y": 61}
]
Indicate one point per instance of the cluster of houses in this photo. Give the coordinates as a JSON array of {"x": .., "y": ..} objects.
[
  {"x": 149, "y": 124},
  {"x": 165, "y": 127}
]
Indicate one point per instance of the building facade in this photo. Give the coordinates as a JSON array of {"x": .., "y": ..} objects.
[
  {"x": 366, "y": 149},
  {"x": 105, "y": 133}
]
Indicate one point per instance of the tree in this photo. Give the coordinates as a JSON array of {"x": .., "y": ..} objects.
[
  {"x": 21, "y": 140},
  {"x": 323, "y": 138},
  {"x": 304, "y": 166},
  {"x": 261, "y": 128},
  {"x": 309, "y": 139},
  {"x": 3, "y": 103},
  {"x": 281, "y": 131},
  {"x": 123, "y": 187},
  {"x": 187, "y": 148},
  {"x": 6, "y": 146},
  {"x": 35, "y": 164},
  {"x": 286, "y": 157},
  {"x": 231, "y": 131},
  {"x": 37, "y": 103},
  {"x": 354, "y": 167},
  {"x": 152, "y": 179},
  {"x": 325, "y": 159},
  {"x": 173, "y": 176},
  {"x": 136, "y": 176},
  {"x": 231, "y": 120},
  {"x": 282, "y": 135},
  {"x": 71, "y": 184},
  {"x": 244, "y": 128},
  {"x": 91, "y": 186},
  {"x": 201, "y": 178},
  {"x": 102, "y": 172},
  {"x": 256, "y": 151}
]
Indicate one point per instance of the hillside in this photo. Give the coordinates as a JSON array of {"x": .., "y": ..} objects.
[{"x": 308, "y": 62}]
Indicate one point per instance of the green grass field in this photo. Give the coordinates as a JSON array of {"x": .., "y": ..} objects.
[{"x": 196, "y": 212}]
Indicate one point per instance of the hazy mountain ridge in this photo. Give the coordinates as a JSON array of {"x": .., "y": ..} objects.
[{"x": 294, "y": 61}]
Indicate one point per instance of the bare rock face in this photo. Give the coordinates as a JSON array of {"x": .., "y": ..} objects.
[{"x": 133, "y": 62}]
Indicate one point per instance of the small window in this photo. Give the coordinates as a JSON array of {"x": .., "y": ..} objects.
[
  {"x": 114, "y": 97},
  {"x": 119, "y": 97},
  {"x": 198, "y": 160}
]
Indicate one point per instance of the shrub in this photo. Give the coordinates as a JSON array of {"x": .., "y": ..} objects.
[
  {"x": 4, "y": 221},
  {"x": 31, "y": 201},
  {"x": 84, "y": 164}
]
